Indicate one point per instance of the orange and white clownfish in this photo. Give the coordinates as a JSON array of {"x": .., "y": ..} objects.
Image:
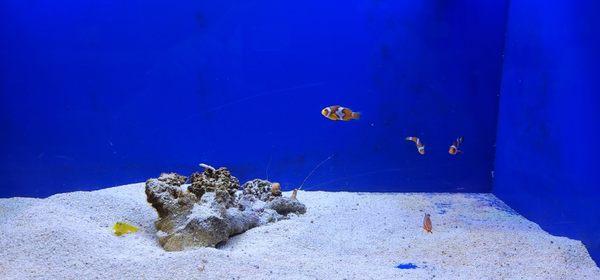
[
  {"x": 339, "y": 113},
  {"x": 454, "y": 149},
  {"x": 420, "y": 146}
]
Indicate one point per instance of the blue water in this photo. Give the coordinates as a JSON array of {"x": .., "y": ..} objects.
[
  {"x": 547, "y": 158},
  {"x": 96, "y": 94}
]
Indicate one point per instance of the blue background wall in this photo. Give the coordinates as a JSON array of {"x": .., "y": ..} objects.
[
  {"x": 547, "y": 162},
  {"x": 100, "y": 93}
]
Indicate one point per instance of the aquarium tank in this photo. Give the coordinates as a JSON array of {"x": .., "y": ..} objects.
[{"x": 259, "y": 139}]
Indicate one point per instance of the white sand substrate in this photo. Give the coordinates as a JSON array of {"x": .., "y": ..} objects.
[{"x": 342, "y": 236}]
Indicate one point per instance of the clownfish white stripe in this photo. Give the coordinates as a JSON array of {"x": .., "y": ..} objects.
[
  {"x": 419, "y": 144},
  {"x": 454, "y": 148},
  {"x": 339, "y": 113}
]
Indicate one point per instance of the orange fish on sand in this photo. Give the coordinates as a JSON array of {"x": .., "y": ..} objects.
[
  {"x": 420, "y": 146},
  {"x": 427, "y": 223},
  {"x": 339, "y": 113},
  {"x": 454, "y": 149}
]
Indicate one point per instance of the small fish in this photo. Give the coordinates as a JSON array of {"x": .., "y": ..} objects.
[
  {"x": 276, "y": 189},
  {"x": 427, "y": 223},
  {"x": 121, "y": 228},
  {"x": 339, "y": 113},
  {"x": 420, "y": 146},
  {"x": 454, "y": 149}
]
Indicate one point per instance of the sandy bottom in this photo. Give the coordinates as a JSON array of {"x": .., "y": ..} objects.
[{"x": 343, "y": 236}]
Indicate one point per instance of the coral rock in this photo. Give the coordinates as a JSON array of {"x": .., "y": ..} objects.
[
  {"x": 213, "y": 208},
  {"x": 219, "y": 181},
  {"x": 284, "y": 206},
  {"x": 168, "y": 200},
  {"x": 262, "y": 189},
  {"x": 172, "y": 179}
]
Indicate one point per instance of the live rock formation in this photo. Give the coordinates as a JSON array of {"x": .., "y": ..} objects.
[{"x": 213, "y": 207}]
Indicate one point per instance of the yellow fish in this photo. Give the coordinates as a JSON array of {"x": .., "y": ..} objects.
[
  {"x": 420, "y": 146},
  {"x": 124, "y": 228},
  {"x": 339, "y": 113}
]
